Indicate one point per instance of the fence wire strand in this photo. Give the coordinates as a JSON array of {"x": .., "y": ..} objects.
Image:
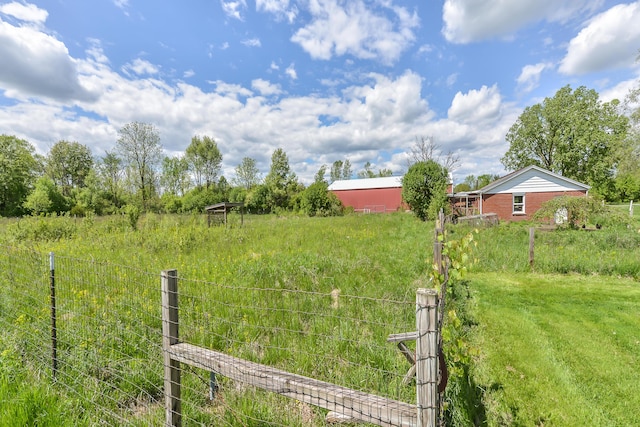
[{"x": 109, "y": 342}]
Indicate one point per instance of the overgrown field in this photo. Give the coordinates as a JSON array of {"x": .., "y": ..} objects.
[{"x": 316, "y": 296}]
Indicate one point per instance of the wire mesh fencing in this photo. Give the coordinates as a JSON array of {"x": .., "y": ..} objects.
[
  {"x": 109, "y": 343},
  {"x": 102, "y": 346}
]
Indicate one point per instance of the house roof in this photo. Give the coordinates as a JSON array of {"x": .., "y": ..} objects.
[
  {"x": 519, "y": 174},
  {"x": 366, "y": 183}
]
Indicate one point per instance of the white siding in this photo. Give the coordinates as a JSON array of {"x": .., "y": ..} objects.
[{"x": 534, "y": 181}]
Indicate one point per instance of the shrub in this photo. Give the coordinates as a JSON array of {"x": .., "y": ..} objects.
[
  {"x": 424, "y": 189},
  {"x": 578, "y": 210},
  {"x": 133, "y": 214},
  {"x": 317, "y": 200}
]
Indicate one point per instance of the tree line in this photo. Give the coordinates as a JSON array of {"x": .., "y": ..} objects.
[
  {"x": 573, "y": 134},
  {"x": 137, "y": 174}
]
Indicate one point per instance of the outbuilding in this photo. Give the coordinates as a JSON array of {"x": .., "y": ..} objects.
[
  {"x": 518, "y": 195},
  {"x": 370, "y": 194}
]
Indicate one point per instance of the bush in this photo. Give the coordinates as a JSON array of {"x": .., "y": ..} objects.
[
  {"x": 133, "y": 214},
  {"x": 317, "y": 200},
  {"x": 424, "y": 189},
  {"x": 42, "y": 228},
  {"x": 578, "y": 210}
]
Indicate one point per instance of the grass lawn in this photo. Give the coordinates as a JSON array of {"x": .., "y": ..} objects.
[
  {"x": 561, "y": 350},
  {"x": 559, "y": 347}
]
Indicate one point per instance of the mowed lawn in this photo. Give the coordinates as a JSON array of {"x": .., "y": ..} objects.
[{"x": 557, "y": 350}]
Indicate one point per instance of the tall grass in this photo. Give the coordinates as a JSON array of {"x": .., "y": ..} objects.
[
  {"x": 262, "y": 292},
  {"x": 612, "y": 250}
]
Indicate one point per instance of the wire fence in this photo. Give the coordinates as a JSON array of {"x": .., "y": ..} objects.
[{"x": 109, "y": 342}]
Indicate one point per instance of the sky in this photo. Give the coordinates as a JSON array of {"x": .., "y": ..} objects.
[{"x": 324, "y": 80}]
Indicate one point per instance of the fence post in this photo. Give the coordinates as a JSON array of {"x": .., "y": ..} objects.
[
  {"x": 173, "y": 407},
  {"x": 427, "y": 357},
  {"x": 54, "y": 328},
  {"x": 532, "y": 238}
]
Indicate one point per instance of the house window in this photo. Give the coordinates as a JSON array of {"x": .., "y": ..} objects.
[{"x": 518, "y": 204}]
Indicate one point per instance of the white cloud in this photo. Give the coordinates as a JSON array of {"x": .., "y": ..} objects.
[
  {"x": 451, "y": 79},
  {"x": 274, "y": 66},
  {"x": 188, "y": 74},
  {"x": 378, "y": 114},
  {"x": 352, "y": 28},
  {"x": 621, "y": 90},
  {"x": 25, "y": 12},
  {"x": 280, "y": 8},
  {"x": 233, "y": 9},
  {"x": 37, "y": 64},
  {"x": 476, "y": 105},
  {"x": 140, "y": 67},
  {"x": 529, "y": 78},
  {"x": 291, "y": 72},
  {"x": 252, "y": 42},
  {"x": 472, "y": 20},
  {"x": 265, "y": 87},
  {"x": 121, "y": 4},
  {"x": 609, "y": 41}
]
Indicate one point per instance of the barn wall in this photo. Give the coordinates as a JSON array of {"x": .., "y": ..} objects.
[
  {"x": 502, "y": 204},
  {"x": 377, "y": 199}
]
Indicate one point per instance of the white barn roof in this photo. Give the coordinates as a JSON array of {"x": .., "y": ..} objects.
[{"x": 367, "y": 183}]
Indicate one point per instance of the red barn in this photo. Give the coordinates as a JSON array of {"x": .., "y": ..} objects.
[
  {"x": 370, "y": 194},
  {"x": 518, "y": 195}
]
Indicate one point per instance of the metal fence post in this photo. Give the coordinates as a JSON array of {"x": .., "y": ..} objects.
[
  {"x": 173, "y": 407},
  {"x": 54, "y": 328},
  {"x": 427, "y": 357}
]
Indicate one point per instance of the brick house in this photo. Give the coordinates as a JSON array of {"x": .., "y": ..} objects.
[{"x": 518, "y": 195}]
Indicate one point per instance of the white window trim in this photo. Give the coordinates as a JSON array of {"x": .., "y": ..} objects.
[{"x": 513, "y": 204}]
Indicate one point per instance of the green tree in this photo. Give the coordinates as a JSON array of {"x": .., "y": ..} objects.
[
  {"x": 18, "y": 168},
  {"x": 627, "y": 180},
  {"x": 110, "y": 175},
  {"x": 346, "y": 169},
  {"x": 281, "y": 181},
  {"x": 336, "y": 170},
  {"x": 175, "y": 175},
  {"x": 247, "y": 174},
  {"x": 340, "y": 170},
  {"x": 257, "y": 200},
  {"x": 424, "y": 188},
  {"x": 484, "y": 180},
  {"x": 46, "y": 198},
  {"x": 367, "y": 172},
  {"x": 92, "y": 196},
  {"x": 139, "y": 145},
  {"x": 573, "y": 134},
  {"x": 68, "y": 165},
  {"x": 204, "y": 159},
  {"x": 316, "y": 200},
  {"x": 319, "y": 176}
]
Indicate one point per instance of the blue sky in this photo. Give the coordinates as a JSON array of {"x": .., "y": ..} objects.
[{"x": 325, "y": 80}]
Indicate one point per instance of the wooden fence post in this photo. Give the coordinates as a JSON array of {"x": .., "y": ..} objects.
[
  {"x": 532, "y": 239},
  {"x": 427, "y": 357},
  {"x": 173, "y": 407}
]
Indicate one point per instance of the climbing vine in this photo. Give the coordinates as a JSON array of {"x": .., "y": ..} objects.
[{"x": 460, "y": 400}]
